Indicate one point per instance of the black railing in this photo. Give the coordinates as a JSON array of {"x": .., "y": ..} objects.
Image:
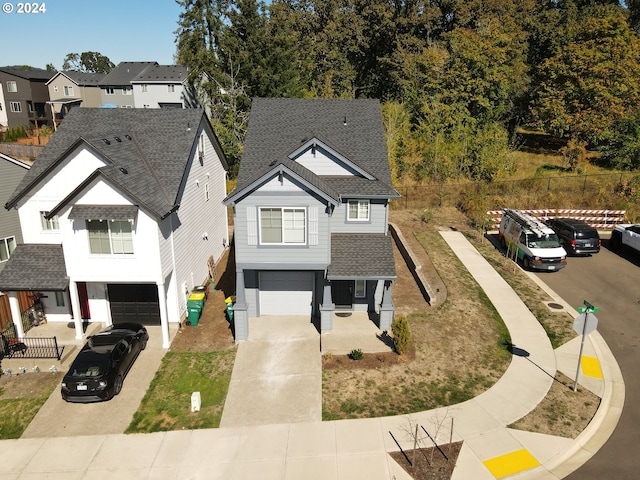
[{"x": 30, "y": 347}]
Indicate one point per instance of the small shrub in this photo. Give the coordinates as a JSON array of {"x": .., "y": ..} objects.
[
  {"x": 356, "y": 354},
  {"x": 401, "y": 334}
]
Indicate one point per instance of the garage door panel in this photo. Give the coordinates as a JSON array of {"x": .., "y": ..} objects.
[
  {"x": 286, "y": 293},
  {"x": 134, "y": 303}
]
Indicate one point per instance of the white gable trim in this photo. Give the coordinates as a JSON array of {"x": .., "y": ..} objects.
[{"x": 314, "y": 143}]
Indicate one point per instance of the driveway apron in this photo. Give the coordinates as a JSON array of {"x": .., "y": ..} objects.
[{"x": 277, "y": 375}]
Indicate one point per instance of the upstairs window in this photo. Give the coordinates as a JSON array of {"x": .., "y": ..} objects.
[
  {"x": 282, "y": 225},
  {"x": 68, "y": 91},
  {"x": 110, "y": 91},
  {"x": 110, "y": 237},
  {"x": 12, "y": 87},
  {"x": 171, "y": 88},
  {"x": 49, "y": 223},
  {"x": 358, "y": 210},
  {"x": 127, "y": 90},
  {"x": 16, "y": 107},
  {"x": 145, "y": 88},
  {"x": 7, "y": 246}
]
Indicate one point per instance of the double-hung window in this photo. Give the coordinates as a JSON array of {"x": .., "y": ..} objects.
[
  {"x": 110, "y": 91},
  {"x": 49, "y": 223},
  {"x": 12, "y": 86},
  {"x": 68, "y": 90},
  {"x": 283, "y": 225},
  {"x": 16, "y": 107},
  {"x": 127, "y": 90},
  {"x": 7, "y": 246},
  {"x": 110, "y": 237},
  {"x": 171, "y": 88},
  {"x": 358, "y": 210}
]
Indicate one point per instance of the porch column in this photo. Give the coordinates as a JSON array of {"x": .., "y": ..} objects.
[
  {"x": 387, "y": 308},
  {"x": 75, "y": 309},
  {"x": 164, "y": 317},
  {"x": 240, "y": 320},
  {"x": 16, "y": 315},
  {"x": 327, "y": 308}
]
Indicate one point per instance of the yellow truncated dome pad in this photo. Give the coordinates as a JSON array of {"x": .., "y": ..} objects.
[{"x": 511, "y": 463}]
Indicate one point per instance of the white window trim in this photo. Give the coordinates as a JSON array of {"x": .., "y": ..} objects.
[
  {"x": 6, "y": 246},
  {"x": 49, "y": 225},
  {"x": 111, "y": 253},
  {"x": 16, "y": 107},
  {"x": 68, "y": 90},
  {"x": 12, "y": 86},
  {"x": 364, "y": 289},
  {"x": 359, "y": 202},
  {"x": 145, "y": 88},
  {"x": 109, "y": 91},
  {"x": 171, "y": 88},
  {"x": 272, "y": 207},
  {"x": 127, "y": 91}
]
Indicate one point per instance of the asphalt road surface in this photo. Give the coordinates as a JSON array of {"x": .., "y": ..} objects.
[{"x": 611, "y": 281}]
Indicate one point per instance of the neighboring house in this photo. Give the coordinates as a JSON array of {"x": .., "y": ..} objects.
[
  {"x": 26, "y": 96},
  {"x": 116, "y": 90},
  {"x": 120, "y": 213},
  {"x": 163, "y": 86},
  {"x": 4, "y": 121},
  {"x": 72, "y": 89},
  {"x": 311, "y": 212}
]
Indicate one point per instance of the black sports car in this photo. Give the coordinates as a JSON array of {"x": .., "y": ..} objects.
[{"x": 98, "y": 371}]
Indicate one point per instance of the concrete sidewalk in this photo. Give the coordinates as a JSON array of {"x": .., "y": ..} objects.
[{"x": 359, "y": 449}]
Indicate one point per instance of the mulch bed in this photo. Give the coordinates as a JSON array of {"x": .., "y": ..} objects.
[
  {"x": 429, "y": 463},
  {"x": 368, "y": 360}
]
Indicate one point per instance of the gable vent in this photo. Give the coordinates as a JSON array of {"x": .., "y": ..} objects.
[{"x": 106, "y": 141}]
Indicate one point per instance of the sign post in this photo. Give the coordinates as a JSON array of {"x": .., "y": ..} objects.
[{"x": 583, "y": 325}]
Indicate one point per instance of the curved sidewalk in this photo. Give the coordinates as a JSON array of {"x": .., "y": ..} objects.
[{"x": 350, "y": 449}]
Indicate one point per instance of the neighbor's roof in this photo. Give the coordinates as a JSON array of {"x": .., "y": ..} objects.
[
  {"x": 146, "y": 150},
  {"x": 28, "y": 73},
  {"x": 353, "y": 128},
  {"x": 82, "y": 79},
  {"x": 162, "y": 74},
  {"x": 35, "y": 267},
  {"x": 372, "y": 259},
  {"x": 124, "y": 73}
]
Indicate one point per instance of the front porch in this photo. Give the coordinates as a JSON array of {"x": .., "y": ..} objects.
[{"x": 354, "y": 330}]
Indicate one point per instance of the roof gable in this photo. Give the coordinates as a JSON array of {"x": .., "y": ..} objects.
[
  {"x": 321, "y": 159},
  {"x": 124, "y": 73},
  {"x": 147, "y": 151}
]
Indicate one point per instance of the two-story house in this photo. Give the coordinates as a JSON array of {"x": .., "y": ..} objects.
[
  {"x": 163, "y": 86},
  {"x": 311, "y": 212},
  {"x": 116, "y": 90},
  {"x": 121, "y": 213},
  {"x": 72, "y": 89},
  {"x": 25, "y": 96}
]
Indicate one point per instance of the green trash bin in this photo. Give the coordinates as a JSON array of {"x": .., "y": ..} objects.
[
  {"x": 193, "y": 316},
  {"x": 196, "y": 299},
  {"x": 230, "y": 311}
]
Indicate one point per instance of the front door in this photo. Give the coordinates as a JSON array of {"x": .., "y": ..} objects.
[
  {"x": 342, "y": 293},
  {"x": 83, "y": 298}
]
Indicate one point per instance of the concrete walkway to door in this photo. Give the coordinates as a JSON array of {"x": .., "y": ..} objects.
[{"x": 277, "y": 375}]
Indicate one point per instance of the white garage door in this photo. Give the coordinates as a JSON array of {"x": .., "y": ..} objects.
[{"x": 286, "y": 293}]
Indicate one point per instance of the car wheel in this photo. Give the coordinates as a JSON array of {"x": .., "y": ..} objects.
[
  {"x": 117, "y": 385},
  {"x": 143, "y": 343},
  {"x": 616, "y": 241},
  {"x": 525, "y": 262}
]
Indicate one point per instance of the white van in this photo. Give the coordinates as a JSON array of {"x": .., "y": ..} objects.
[{"x": 535, "y": 244}]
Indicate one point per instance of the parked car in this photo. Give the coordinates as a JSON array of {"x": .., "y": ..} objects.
[
  {"x": 576, "y": 236},
  {"x": 99, "y": 370},
  {"x": 625, "y": 234}
]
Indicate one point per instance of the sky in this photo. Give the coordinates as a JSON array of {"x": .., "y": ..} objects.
[{"x": 123, "y": 30}]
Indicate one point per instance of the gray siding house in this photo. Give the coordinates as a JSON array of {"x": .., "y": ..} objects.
[
  {"x": 25, "y": 96},
  {"x": 311, "y": 212},
  {"x": 72, "y": 89},
  {"x": 116, "y": 89},
  {"x": 163, "y": 86},
  {"x": 11, "y": 173}
]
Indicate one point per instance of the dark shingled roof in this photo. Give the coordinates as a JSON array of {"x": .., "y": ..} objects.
[
  {"x": 279, "y": 126},
  {"x": 162, "y": 74},
  {"x": 124, "y": 73},
  {"x": 361, "y": 255},
  {"x": 148, "y": 165},
  {"x": 84, "y": 79},
  {"x": 35, "y": 267},
  {"x": 28, "y": 73},
  {"x": 103, "y": 212}
]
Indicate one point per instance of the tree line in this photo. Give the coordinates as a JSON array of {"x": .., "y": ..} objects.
[{"x": 457, "y": 78}]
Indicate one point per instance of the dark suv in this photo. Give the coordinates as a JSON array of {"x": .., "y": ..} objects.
[{"x": 576, "y": 236}]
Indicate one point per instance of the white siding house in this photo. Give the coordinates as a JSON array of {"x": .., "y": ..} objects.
[{"x": 136, "y": 208}]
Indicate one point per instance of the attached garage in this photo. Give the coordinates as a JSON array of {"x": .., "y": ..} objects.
[
  {"x": 286, "y": 293},
  {"x": 134, "y": 303}
]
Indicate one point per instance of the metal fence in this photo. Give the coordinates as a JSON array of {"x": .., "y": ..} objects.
[
  {"x": 30, "y": 347},
  {"x": 531, "y": 192}
]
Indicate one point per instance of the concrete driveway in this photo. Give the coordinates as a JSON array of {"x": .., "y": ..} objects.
[
  {"x": 277, "y": 375},
  {"x": 58, "y": 418}
]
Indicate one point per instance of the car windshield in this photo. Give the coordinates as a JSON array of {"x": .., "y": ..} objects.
[
  {"x": 545, "y": 241},
  {"x": 90, "y": 367}
]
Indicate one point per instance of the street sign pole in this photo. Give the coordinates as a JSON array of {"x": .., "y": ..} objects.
[{"x": 586, "y": 329}]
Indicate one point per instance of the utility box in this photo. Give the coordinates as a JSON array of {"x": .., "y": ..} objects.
[{"x": 195, "y": 402}]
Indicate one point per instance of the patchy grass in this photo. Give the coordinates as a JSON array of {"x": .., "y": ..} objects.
[
  {"x": 167, "y": 403},
  {"x": 21, "y": 396}
]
